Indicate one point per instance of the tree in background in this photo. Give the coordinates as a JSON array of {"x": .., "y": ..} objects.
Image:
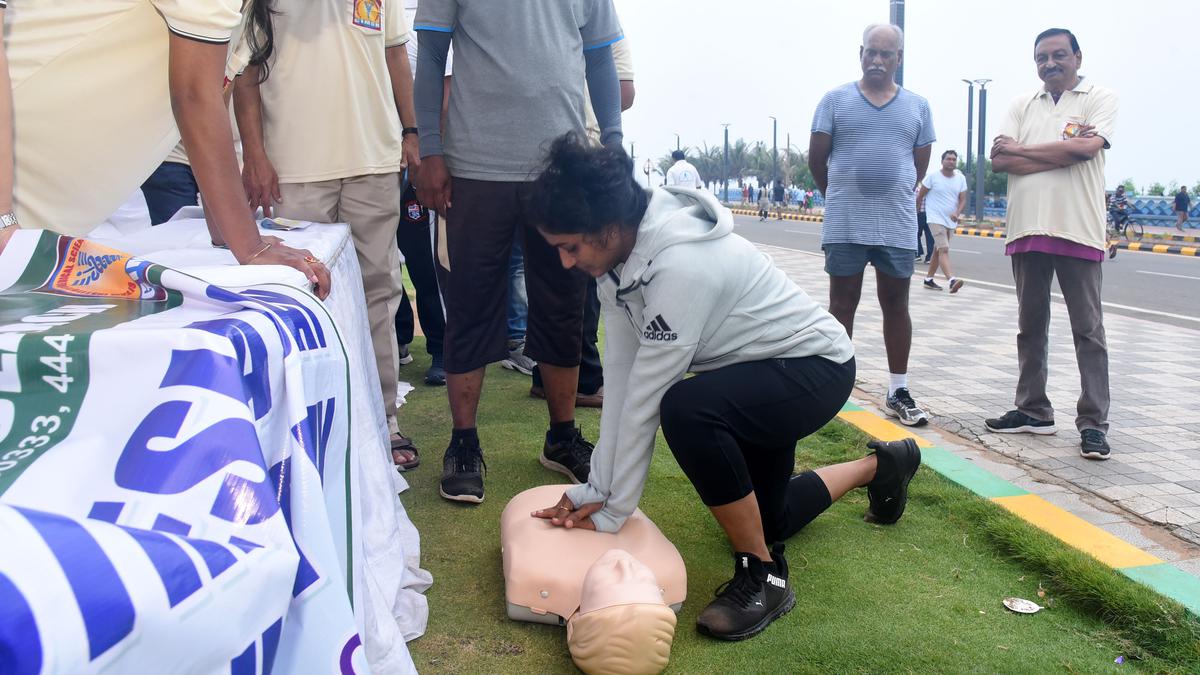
[
  {"x": 1130, "y": 188},
  {"x": 1156, "y": 189}
]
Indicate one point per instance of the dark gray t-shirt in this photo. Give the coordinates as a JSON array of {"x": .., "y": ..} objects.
[
  {"x": 518, "y": 78},
  {"x": 872, "y": 176}
]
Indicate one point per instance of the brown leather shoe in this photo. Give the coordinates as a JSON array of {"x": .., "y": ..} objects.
[{"x": 595, "y": 400}]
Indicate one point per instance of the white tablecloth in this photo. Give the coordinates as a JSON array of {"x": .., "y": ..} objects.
[{"x": 395, "y": 609}]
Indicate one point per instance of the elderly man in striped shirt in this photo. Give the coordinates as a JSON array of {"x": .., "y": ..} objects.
[{"x": 870, "y": 144}]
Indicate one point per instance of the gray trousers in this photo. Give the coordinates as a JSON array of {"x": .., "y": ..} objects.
[{"x": 1080, "y": 281}]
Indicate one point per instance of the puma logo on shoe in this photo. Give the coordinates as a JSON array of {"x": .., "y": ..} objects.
[{"x": 776, "y": 581}]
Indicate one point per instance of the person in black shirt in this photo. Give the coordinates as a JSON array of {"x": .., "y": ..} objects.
[
  {"x": 778, "y": 195},
  {"x": 1183, "y": 203}
]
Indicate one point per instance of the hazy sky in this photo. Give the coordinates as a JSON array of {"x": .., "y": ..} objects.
[{"x": 700, "y": 63}]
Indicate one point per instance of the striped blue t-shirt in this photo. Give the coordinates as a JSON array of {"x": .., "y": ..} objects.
[{"x": 872, "y": 176}]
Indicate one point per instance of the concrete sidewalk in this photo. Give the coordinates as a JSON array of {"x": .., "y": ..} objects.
[{"x": 963, "y": 370}]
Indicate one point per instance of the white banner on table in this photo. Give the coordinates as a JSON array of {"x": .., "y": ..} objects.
[{"x": 176, "y": 477}]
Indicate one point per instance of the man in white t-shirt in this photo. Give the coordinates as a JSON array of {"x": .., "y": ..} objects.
[
  {"x": 682, "y": 173},
  {"x": 324, "y": 139},
  {"x": 943, "y": 195}
]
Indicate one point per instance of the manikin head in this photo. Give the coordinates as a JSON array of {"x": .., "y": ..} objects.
[{"x": 622, "y": 627}]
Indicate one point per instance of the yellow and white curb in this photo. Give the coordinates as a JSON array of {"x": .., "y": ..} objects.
[{"x": 1069, "y": 528}]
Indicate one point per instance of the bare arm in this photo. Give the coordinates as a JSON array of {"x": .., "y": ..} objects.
[
  {"x": 196, "y": 71},
  {"x": 819, "y": 146},
  {"x": 1009, "y": 156},
  {"x": 258, "y": 174},
  {"x": 627, "y": 94},
  {"x": 921, "y": 160},
  {"x": 962, "y": 206},
  {"x": 402, "y": 92},
  {"x": 921, "y": 197}
]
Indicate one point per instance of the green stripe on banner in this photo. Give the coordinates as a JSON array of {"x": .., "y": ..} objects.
[
  {"x": 965, "y": 473},
  {"x": 851, "y": 407},
  {"x": 1170, "y": 581}
]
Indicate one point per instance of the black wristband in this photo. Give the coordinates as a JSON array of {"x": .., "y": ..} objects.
[{"x": 407, "y": 130}]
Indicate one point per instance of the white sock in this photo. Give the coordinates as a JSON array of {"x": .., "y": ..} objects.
[
  {"x": 926, "y": 279},
  {"x": 897, "y": 382},
  {"x": 951, "y": 280}
]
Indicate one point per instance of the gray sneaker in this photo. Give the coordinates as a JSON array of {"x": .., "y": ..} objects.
[
  {"x": 902, "y": 406},
  {"x": 516, "y": 358}
]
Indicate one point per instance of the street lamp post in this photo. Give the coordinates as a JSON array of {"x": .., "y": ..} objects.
[
  {"x": 970, "y": 129},
  {"x": 677, "y": 141},
  {"x": 980, "y": 157},
  {"x": 896, "y": 17},
  {"x": 774, "y": 148},
  {"x": 725, "y": 166}
]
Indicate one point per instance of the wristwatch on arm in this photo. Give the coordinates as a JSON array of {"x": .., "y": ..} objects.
[{"x": 8, "y": 219}]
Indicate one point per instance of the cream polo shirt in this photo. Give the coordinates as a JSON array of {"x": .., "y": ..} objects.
[
  {"x": 91, "y": 105},
  {"x": 328, "y": 110},
  {"x": 1067, "y": 203}
]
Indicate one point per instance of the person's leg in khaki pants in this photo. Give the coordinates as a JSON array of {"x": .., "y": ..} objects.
[{"x": 370, "y": 205}]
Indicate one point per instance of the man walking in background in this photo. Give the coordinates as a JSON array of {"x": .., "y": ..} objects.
[
  {"x": 1051, "y": 145},
  {"x": 682, "y": 173},
  {"x": 942, "y": 197},
  {"x": 1183, "y": 203},
  {"x": 870, "y": 142}
]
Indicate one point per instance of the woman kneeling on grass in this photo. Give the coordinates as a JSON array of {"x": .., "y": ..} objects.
[{"x": 681, "y": 293}]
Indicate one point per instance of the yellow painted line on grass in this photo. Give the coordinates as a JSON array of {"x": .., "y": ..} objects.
[
  {"x": 875, "y": 426},
  {"x": 1077, "y": 532}
]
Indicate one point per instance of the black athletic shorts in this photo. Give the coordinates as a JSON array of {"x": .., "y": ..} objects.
[{"x": 480, "y": 227}]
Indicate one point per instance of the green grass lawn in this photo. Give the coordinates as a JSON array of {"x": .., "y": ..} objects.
[{"x": 923, "y": 595}]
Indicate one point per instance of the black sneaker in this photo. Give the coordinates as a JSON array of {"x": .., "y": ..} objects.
[
  {"x": 745, "y": 605},
  {"x": 1017, "y": 422},
  {"x": 902, "y": 406},
  {"x": 1094, "y": 445},
  {"x": 932, "y": 285},
  {"x": 888, "y": 491},
  {"x": 462, "y": 473},
  {"x": 572, "y": 458}
]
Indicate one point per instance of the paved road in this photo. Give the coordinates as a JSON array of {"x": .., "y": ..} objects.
[{"x": 1154, "y": 286}]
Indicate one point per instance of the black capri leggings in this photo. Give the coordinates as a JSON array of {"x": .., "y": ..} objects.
[{"x": 734, "y": 430}]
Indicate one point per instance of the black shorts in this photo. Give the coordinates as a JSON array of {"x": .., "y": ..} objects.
[{"x": 479, "y": 234}]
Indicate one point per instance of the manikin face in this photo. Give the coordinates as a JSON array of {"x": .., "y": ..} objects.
[
  {"x": 881, "y": 56},
  {"x": 1057, "y": 64},
  {"x": 594, "y": 255},
  {"x": 617, "y": 578}
]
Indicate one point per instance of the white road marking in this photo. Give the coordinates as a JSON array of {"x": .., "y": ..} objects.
[
  {"x": 815, "y": 234},
  {"x": 1165, "y": 274},
  {"x": 1106, "y": 304},
  {"x": 921, "y": 276}
]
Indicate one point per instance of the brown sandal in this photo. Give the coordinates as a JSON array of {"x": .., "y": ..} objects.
[{"x": 404, "y": 454}]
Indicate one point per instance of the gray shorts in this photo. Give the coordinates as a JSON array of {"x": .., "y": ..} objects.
[{"x": 848, "y": 260}]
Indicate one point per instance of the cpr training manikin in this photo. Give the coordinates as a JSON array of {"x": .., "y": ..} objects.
[{"x": 617, "y": 593}]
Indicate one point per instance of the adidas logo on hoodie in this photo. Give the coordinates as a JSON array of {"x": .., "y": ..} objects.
[{"x": 659, "y": 330}]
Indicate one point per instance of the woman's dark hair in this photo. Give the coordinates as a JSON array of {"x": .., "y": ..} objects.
[
  {"x": 259, "y": 34},
  {"x": 586, "y": 188}
]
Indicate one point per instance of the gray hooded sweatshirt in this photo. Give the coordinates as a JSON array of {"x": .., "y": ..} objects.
[{"x": 692, "y": 297}]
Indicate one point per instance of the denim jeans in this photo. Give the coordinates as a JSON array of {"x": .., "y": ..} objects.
[
  {"x": 518, "y": 300},
  {"x": 171, "y": 187}
]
